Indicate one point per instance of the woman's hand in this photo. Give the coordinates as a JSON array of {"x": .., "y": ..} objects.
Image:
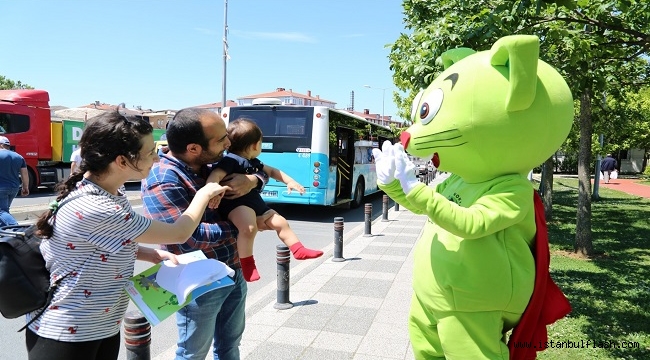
[
  {"x": 155, "y": 255},
  {"x": 215, "y": 201},
  {"x": 212, "y": 190}
]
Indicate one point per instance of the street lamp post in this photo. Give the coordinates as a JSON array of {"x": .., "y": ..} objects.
[
  {"x": 225, "y": 53},
  {"x": 383, "y": 97}
]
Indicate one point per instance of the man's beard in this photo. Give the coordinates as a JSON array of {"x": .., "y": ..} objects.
[{"x": 209, "y": 157}]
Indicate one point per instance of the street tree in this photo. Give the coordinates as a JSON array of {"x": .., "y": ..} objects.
[
  {"x": 8, "y": 84},
  {"x": 595, "y": 44},
  {"x": 628, "y": 125}
]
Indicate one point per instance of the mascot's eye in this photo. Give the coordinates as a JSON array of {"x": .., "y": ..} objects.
[
  {"x": 424, "y": 111},
  {"x": 431, "y": 104},
  {"x": 416, "y": 105}
]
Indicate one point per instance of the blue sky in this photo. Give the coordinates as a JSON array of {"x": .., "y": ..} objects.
[{"x": 168, "y": 53}]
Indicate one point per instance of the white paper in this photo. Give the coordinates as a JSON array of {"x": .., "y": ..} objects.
[{"x": 193, "y": 270}]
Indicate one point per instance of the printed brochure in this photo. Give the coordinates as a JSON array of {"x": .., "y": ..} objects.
[{"x": 165, "y": 288}]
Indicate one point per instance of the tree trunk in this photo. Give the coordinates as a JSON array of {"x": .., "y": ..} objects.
[
  {"x": 547, "y": 185},
  {"x": 583, "y": 244}
]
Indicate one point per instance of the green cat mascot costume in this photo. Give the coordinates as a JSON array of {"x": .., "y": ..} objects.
[{"x": 481, "y": 264}]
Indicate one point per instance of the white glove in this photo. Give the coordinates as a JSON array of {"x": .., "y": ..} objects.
[
  {"x": 404, "y": 169},
  {"x": 384, "y": 163}
]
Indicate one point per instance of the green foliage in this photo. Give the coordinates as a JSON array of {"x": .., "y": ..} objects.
[
  {"x": 594, "y": 44},
  {"x": 8, "y": 84},
  {"x": 570, "y": 163},
  {"x": 646, "y": 173}
]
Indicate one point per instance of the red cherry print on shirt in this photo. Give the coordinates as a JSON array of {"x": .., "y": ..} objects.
[
  {"x": 73, "y": 330},
  {"x": 104, "y": 257},
  {"x": 70, "y": 246},
  {"x": 127, "y": 217},
  {"x": 79, "y": 215},
  {"x": 87, "y": 293}
]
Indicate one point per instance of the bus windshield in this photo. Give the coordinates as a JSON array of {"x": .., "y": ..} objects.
[{"x": 285, "y": 128}]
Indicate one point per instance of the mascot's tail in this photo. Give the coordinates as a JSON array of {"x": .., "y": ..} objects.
[{"x": 547, "y": 303}]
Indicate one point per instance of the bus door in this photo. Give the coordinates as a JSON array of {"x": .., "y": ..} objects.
[{"x": 344, "y": 164}]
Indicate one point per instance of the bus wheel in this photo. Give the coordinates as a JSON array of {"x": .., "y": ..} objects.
[{"x": 358, "y": 194}]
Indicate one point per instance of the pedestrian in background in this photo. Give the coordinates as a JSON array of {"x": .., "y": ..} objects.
[
  {"x": 197, "y": 138},
  {"x": 607, "y": 165},
  {"x": 92, "y": 242},
  {"x": 75, "y": 160},
  {"x": 13, "y": 173}
]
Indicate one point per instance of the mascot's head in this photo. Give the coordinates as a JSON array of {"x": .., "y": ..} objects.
[{"x": 491, "y": 113}]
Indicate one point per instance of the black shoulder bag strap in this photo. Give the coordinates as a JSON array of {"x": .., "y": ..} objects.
[{"x": 53, "y": 287}]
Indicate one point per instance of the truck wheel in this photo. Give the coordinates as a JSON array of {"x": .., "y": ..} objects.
[
  {"x": 358, "y": 194},
  {"x": 32, "y": 180}
]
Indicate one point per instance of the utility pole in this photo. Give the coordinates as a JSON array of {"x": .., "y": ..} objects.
[
  {"x": 383, "y": 98},
  {"x": 225, "y": 53}
]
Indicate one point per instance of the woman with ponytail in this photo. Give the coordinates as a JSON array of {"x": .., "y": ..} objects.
[{"x": 93, "y": 241}]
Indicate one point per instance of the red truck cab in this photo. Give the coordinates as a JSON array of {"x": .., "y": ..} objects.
[{"x": 25, "y": 120}]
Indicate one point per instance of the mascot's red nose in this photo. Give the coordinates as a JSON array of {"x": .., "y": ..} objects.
[{"x": 405, "y": 138}]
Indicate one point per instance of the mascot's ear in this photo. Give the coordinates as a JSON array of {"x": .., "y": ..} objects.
[
  {"x": 520, "y": 54},
  {"x": 450, "y": 57}
]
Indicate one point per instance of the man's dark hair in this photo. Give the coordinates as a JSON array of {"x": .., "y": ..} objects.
[{"x": 185, "y": 128}]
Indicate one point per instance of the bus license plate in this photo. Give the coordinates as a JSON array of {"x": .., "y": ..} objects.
[{"x": 269, "y": 194}]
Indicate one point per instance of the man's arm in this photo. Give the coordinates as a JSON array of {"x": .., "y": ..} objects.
[
  {"x": 24, "y": 177},
  {"x": 243, "y": 184}
]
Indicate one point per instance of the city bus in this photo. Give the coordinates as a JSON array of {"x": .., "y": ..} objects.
[{"x": 327, "y": 151}]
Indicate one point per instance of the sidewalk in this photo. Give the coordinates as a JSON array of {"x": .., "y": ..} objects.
[
  {"x": 630, "y": 186},
  {"x": 356, "y": 309}
]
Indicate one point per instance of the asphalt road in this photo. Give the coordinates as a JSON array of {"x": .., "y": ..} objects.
[{"x": 313, "y": 225}]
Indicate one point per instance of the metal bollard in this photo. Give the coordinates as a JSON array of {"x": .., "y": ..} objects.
[
  {"x": 384, "y": 208},
  {"x": 283, "y": 256},
  {"x": 338, "y": 240},
  {"x": 368, "y": 222},
  {"x": 137, "y": 336}
]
